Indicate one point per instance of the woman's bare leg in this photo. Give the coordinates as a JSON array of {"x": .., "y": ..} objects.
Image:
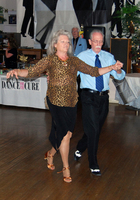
[
  {"x": 51, "y": 153},
  {"x": 64, "y": 151},
  {"x": 49, "y": 157}
]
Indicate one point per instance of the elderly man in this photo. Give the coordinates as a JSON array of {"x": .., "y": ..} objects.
[
  {"x": 95, "y": 98},
  {"x": 79, "y": 44}
]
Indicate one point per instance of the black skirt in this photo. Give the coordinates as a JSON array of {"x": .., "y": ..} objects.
[{"x": 63, "y": 120}]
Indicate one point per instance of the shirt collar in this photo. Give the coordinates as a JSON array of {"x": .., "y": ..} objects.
[
  {"x": 76, "y": 39},
  {"x": 94, "y": 54}
]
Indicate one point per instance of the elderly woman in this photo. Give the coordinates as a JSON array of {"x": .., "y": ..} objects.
[{"x": 62, "y": 95}]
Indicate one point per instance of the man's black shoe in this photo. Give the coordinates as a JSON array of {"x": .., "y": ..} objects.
[
  {"x": 96, "y": 172},
  {"x": 77, "y": 155}
]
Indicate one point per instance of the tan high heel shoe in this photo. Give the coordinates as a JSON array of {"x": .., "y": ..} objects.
[
  {"x": 67, "y": 179},
  {"x": 49, "y": 155}
]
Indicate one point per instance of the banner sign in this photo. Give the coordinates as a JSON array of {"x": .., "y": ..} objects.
[{"x": 20, "y": 84}]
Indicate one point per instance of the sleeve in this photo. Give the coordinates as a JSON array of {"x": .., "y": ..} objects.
[
  {"x": 118, "y": 76},
  {"x": 86, "y": 69},
  {"x": 114, "y": 73},
  {"x": 40, "y": 67},
  {"x": 12, "y": 51}
]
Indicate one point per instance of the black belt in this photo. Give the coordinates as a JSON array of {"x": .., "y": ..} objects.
[{"x": 96, "y": 92}]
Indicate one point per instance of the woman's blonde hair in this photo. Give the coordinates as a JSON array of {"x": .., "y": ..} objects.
[{"x": 51, "y": 49}]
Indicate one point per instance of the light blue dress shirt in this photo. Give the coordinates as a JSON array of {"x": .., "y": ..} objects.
[{"x": 106, "y": 60}]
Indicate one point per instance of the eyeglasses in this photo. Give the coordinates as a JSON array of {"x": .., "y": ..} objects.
[{"x": 97, "y": 41}]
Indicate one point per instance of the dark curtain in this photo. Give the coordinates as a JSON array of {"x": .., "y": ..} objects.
[
  {"x": 88, "y": 17},
  {"x": 102, "y": 13},
  {"x": 83, "y": 10}
]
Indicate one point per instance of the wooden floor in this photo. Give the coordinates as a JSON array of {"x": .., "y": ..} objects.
[{"x": 23, "y": 173}]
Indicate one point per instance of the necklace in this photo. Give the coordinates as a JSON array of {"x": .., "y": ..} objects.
[{"x": 64, "y": 63}]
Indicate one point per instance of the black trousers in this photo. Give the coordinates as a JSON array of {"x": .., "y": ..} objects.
[{"x": 94, "y": 112}]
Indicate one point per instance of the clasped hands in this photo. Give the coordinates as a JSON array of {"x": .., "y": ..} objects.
[{"x": 117, "y": 66}]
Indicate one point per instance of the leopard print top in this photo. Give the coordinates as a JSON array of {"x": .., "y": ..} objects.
[{"x": 62, "y": 89}]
